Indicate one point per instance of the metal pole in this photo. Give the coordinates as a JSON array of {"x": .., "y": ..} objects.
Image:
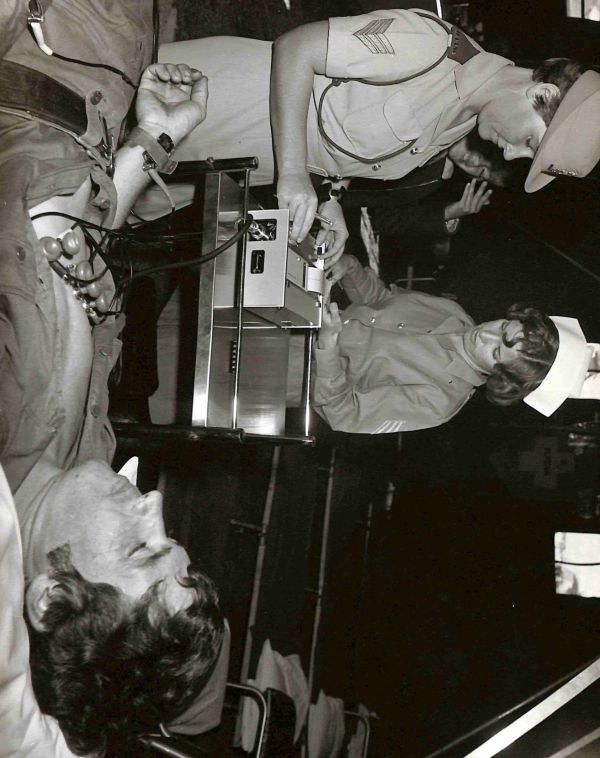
[
  {"x": 260, "y": 558},
  {"x": 308, "y": 369},
  {"x": 538, "y": 713},
  {"x": 322, "y": 567},
  {"x": 505, "y": 714},
  {"x": 240, "y": 304}
]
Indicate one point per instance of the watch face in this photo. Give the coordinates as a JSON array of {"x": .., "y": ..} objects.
[{"x": 166, "y": 143}]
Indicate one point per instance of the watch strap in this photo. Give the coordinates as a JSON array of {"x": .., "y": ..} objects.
[
  {"x": 155, "y": 154},
  {"x": 326, "y": 192}
]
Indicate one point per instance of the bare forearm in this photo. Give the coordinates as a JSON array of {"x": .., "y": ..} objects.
[
  {"x": 130, "y": 179},
  {"x": 172, "y": 100},
  {"x": 297, "y": 57}
]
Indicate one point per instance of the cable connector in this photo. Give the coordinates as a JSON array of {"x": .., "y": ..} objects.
[{"x": 35, "y": 19}]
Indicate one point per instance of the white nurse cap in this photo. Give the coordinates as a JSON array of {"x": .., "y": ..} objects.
[{"x": 574, "y": 372}]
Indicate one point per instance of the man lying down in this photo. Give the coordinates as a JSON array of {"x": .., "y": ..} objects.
[{"x": 124, "y": 635}]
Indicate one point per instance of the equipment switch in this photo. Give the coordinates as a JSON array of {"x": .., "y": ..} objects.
[{"x": 257, "y": 262}]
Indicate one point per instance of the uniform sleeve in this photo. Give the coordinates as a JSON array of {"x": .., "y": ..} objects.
[
  {"x": 377, "y": 410},
  {"x": 25, "y": 731},
  {"x": 383, "y": 45},
  {"x": 11, "y": 392},
  {"x": 13, "y": 22},
  {"x": 362, "y": 285}
]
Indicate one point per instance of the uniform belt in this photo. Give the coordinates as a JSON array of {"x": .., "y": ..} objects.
[{"x": 31, "y": 94}]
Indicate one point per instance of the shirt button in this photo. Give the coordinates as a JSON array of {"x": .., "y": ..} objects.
[
  {"x": 376, "y": 166},
  {"x": 95, "y": 410},
  {"x": 429, "y": 331},
  {"x": 416, "y": 150},
  {"x": 449, "y": 381},
  {"x": 104, "y": 352},
  {"x": 372, "y": 319},
  {"x": 21, "y": 253},
  {"x": 401, "y": 325}
]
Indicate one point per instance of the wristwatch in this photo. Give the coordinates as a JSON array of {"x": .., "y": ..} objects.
[
  {"x": 452, "y": 225},
  {"x": 157, "y": 152}
]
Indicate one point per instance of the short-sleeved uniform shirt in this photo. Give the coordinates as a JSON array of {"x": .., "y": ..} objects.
[
  {"x": 363, "y": 119},
  {"x": 371, "y": 121}
]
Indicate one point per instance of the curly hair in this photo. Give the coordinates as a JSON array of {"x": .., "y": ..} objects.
[
  {"x": 510, "y": 382},
  {"x": 108, "y": 671},
  {"x": 563, "y": 72}
]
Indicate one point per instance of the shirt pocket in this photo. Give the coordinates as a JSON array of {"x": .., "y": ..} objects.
[{"x": 376, "y": 129}]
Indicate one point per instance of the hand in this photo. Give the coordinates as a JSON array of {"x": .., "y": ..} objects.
[
  {"x": 295, "y": 191},
  {"x": 472, "y": 201},
  {"x": 171, "y": 98},
  {"x": 339, "y": 269},
  {"x": 333, "y": 236},
  {"x": 331, "y": 326}
]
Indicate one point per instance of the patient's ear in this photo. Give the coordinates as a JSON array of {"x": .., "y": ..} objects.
[
  {"x": 37, "y": 599},
  {"x": 130, "y": 470}
]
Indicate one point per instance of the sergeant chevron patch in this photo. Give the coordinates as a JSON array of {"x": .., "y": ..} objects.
[{"x": 374, "y": 38}]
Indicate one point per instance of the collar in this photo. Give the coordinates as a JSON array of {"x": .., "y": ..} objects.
[
  {"x": 29, "y": 501},
  {"x": 461, "y": 366},
  {"x": 477, "y": 71},
  {"x": 468, "y": 77}
]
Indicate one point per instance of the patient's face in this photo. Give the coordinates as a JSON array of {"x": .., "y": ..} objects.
[{"x": 117, "y": 535}]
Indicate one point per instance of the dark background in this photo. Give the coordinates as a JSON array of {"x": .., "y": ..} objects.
[{"x": 439, "y": 610}]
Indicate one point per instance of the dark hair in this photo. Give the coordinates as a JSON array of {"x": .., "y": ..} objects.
[
  {"x": 563, "y": 72},
  {"x": 500, "y": 172},
  {"x": 109, "y": 671},
  {"x": 510, "y": 382}
]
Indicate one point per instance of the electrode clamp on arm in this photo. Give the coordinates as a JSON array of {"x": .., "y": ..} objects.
[
  {"x": 157, "y": 157},
  {"x": 35, "y": 19}
]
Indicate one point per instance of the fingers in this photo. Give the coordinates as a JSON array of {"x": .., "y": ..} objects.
[
  {"x": 323, "y": 237},
  {"x": 475, "y": 195},
  {"x": 295, "y": 192},
  {"x": 302, "y": 215},
  {"x": 175, "y": 73},
  {"x": 481, "y": 197},
  {"x": 481, "y": 191},
  {"x": 334, "y": 273},
  {"x": 336, "y": 248},
  {"x": 331, "y": 261},
  {"x": 334, "y": 315},
  {"x": 466, "y": 195},
  {"x": 331, "y": 314}
]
